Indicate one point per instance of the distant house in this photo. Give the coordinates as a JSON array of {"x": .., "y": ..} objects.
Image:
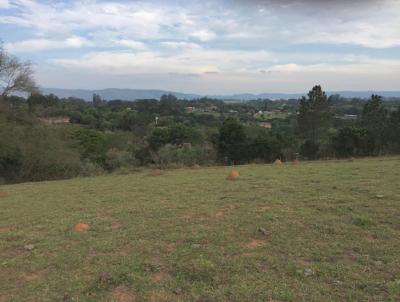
[
  {"x": 211, "y": 108},
  {"x": 348, "y": 117},
  {"x": 190, "y": 109},
  {"x": 58, "y": 120},
  {"x": 267, "y": 125}
]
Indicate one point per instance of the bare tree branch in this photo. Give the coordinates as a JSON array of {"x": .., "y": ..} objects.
[{"x": 15, "y": 76}]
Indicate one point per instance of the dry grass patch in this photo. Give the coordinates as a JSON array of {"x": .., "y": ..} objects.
[
  {"x": 155, "y": 172},
  {"x": 263, "y": 208},
  {"x": 160, "y": 276},
  {"x": 25, "y": 276},
  {"x": 219, "y": 214},
  {"x": 122, "y": 294},
  {"x": 250, "y": 254},
  {"x": 254, "y": 243},
  {"x": 3, "y": 297}
]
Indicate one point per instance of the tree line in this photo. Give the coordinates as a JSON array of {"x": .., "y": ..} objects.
[{"x": 46, "y": 137}]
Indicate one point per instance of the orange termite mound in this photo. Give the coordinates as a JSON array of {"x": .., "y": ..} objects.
[
  {"x": 79, "y": 227},
  {"x": 233, "y": 175},
  {"x": 278, "y": 162},
  {"x": 3, "y": 194},
  {"x": 155, "y": 172}
]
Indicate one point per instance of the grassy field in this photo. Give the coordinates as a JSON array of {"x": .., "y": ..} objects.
[{"x": 321, "y": 231}]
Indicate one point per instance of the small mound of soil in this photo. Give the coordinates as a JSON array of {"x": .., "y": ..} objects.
[
  {"x": 155, "y": 172},
  {"x": 278, "y": 162},
  {"x": 233, "y": 175},
  {"x": 80, "y": 227}
]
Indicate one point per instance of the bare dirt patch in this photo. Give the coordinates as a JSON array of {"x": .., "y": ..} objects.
[
  {"x": 347, "y": 258},
  {"x": 173, "y": 245},
  {"x": 302, "y": 261},
  {"x": 3, "y": 297},
  {"x": 122, "y": 294},
  {"x": 219, "y": 214},
  {"x": 372, "y": 237},
  {"x": 155, "y": 172},
  {"x": 160, "y": 276},
  {"x": 250, "y": 254},
  {"x": 116, "y": 226},
  {"x": 263, "y": 208},
  {"x": 6, "y": 230},
  {"x": 3, "y": 194},
  {"x": 29, "y": 276},
  {"x": 254, "y": 243}
]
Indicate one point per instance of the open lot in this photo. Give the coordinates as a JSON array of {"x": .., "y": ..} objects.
[{"x": 316, "y": 231}]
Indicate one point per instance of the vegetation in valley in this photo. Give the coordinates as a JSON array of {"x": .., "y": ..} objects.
[{"x": 46, "y": 137}]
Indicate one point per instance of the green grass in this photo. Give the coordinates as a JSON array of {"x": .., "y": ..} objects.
[{"x": 191, "y": 235}]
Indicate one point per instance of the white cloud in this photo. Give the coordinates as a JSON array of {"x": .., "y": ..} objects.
[
  {"x": 180, "y": 45},
  {"x": 193, "y": 61},
  {"x": 214, "y": 39},
  {"x": 203, "y": 35},
  {"x": 34, "y": 45},
  {"x": 4, "y": 4},
  {"x": 130, "y": 44},
  {"x": 374, "y": 25}
]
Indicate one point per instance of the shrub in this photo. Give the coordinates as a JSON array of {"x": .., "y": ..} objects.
[
  {"x": 172, "y": 155},
  {"x": 309, "y": 149}
]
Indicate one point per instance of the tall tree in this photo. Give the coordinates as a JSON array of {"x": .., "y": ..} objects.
[
  {"x": 315, "y": 115},
  {"x": 232, "y": 141},
  {"x": 393, "y": 130},
  {"x": 15, "y": 76},
  {"x": 374, "y": 119}
]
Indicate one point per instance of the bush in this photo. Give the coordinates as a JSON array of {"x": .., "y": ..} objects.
[
  {"x": 353, "y": 141},
  {"x": 118, "y": 158},
  {"x": 37, "y": 153},
  {"x": 172, "y": 155},
  {"x": 309, "y": 150}
]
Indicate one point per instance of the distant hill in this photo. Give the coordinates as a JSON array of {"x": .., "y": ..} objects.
[
  {"x": 115, "y": 93},
  {"x": 135, "y": 94}
]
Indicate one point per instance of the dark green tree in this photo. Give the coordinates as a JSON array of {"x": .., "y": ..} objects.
[
  {"x": 393, "y": 131},
  {"x": 232, "y": 141},
  {"x": 315, "y": 116},
  {"x": 374, "y": 119},
  {"x": 352, "y": 141},
  {"x": 170, "y": 105},
  {"x": 91, "y": 144}
]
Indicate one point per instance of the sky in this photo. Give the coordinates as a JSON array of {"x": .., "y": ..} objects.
[{"x": 207, "y": 47}]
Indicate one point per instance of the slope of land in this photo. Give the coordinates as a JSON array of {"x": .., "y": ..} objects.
[{"x": 321, "y": 231}]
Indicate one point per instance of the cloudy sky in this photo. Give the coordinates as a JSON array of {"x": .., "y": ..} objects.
[{"x": 208, "y": 47}]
